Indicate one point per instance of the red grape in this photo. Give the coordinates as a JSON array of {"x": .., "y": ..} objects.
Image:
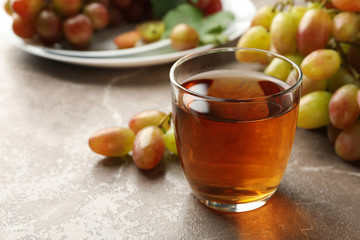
[
  {"x": 48, "y": 26},
  {"x": 148, "y": 148},
  {"x": 23, "y": 27},
  {"x": 26, "y": 8},
  {"x": 98, "y": 14},
  {"x": 313, "y": 31},
  {"x": 78, "y": 30},
  {"x": 343, "y": 107},
  {"x": 347, "y": 144},
  {"x": 67, "y": 8},
  {"x": 213, "y": 7},
  {"x": 199, "y": 3}
]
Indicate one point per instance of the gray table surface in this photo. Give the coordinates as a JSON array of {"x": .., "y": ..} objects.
[{"x": 53, "y": 187}]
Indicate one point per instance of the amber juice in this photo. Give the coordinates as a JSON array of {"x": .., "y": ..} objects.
[{"x": 234, "y": 151}]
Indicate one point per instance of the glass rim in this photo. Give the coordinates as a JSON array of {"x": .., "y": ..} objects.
[{"x": 233, "y": 49}]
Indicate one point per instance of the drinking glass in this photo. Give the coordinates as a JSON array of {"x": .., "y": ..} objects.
[{"x": 234, "y": 124}]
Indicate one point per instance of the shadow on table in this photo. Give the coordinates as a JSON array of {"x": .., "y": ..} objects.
[
  {"x": 113, "y": 162},
  {"x": 109, "y": 166},
  {"x": 280, "y": 218}
]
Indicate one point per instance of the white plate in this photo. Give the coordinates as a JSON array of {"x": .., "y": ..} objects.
[{"x": 146, "y": 55}]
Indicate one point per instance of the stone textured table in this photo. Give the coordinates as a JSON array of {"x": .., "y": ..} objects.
[{"x": 53, "y": 187}]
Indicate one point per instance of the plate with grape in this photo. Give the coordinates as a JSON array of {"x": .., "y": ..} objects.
[{"x": 132, "y": 33}]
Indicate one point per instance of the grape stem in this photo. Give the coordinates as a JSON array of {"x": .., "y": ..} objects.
[
  {"x": 322, "y": 4},
  {"x": 284, "y": 4},
  {"x": 343, "y": 57},
  {"x": 165, "y": 119},
  {"x": 333, "y": 11}
]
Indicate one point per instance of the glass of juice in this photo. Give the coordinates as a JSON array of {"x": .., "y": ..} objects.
[{"x": 234, "y": 124}]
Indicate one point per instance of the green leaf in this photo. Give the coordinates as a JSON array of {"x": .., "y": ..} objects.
[
  {"x": 217, "y": 22},
  {"x": 217, "y": 39},
  {"x": 161, "y": 7},
  {"x": 209, "y": 28},
  {"x": 184, "y": 13}
]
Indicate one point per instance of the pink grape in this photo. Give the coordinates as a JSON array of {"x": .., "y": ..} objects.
[
  {"x": 346, "y": 26},
  {"x": 148, "y": 148},
  {"x": 78, "y": 30},
  {"x": 98, "y": 14},
  {"x": 347, "y": 144},
  {"x": 313, "y": 31},
  {"x": 321, "y": 64},
  {"x": 343, "y": 107},
  {"x": 147, "y": 118},
  {"x": 112, "y": 142}
]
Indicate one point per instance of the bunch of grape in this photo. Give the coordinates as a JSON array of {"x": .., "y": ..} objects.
[
  {"x": 323, "y": 38},
  {"x": 75, "y": 21},
  {"x": 148, "y": 135}
]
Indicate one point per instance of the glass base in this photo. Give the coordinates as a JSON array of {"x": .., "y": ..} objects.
[{"x": 234, "y": 207}]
